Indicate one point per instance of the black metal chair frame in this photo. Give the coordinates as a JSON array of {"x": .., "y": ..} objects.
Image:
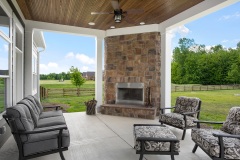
[
  {"x": 184, "y": 117},
  {"x": 220, "y": 140},
  {"x": 143, "y": 139},
  {"x": 12, "y": 123}
]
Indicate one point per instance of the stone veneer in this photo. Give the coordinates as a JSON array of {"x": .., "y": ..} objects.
[{"x": 133, "y": 58}]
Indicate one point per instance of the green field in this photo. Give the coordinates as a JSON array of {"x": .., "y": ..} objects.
[
  {"x": 65, "y": 84},
  {"x": 215, "y": 104},
  {"x": 76, "y": 104}
]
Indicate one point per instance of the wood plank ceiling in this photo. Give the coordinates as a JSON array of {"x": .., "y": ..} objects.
[{"x": 78, "y": 12}]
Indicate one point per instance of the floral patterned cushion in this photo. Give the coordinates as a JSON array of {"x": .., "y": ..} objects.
[
  {"x": 186, "y": 104},
  {"x": 232, "y": 123},
  {"x": 209, "y": 143},
  {"x": 176, "y": 119},
  {"x": 155, "y": 132}
]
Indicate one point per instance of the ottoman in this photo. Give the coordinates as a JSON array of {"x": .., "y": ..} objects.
[{"x": 155, "y": 139}]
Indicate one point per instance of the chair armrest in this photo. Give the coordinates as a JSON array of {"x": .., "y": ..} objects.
[
  {"x": 56, "y": 107},
  {"x": 190, "y": 113},
  {"x": 42, "y": 130},
  {"x": 209, "y": 122},
  {"x": 215, "y": 134},
  {"x": 148, "y": 125},
  {"x": 167, "y": 108},
  {"x": 157, "y": 139}
]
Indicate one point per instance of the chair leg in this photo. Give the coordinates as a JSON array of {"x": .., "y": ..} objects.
[
  {"x": 141, "y": 156},
  {"x": 195, "y": 148},
  {"x": 172, "y": 157},
  {"x": 61, "y": 155},
  {"x": 184, "y": 132}
]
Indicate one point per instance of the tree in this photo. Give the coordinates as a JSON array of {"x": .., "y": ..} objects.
[
  {"x": 238, "y": 45},
  {"x": 76, "y": 77},
  {"x": 234, "y": 74}
]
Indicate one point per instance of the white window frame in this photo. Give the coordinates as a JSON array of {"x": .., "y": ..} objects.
[{"x": 8, "y": 98}]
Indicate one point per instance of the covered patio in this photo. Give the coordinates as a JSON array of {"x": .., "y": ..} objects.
[
  {"x": 101, "y": 136},
  {"x": 107, "y": 138}
]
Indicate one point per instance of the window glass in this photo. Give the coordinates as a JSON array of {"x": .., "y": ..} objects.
[
  {"x": 4, "y": 22},
  {"x": 2, "y": 94},
  {"x": 4, "y": 51}
]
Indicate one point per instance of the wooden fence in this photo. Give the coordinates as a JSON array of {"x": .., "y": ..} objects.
[
  {"x": 65, "y": 92},
  {"x": 183, "y": 88}
]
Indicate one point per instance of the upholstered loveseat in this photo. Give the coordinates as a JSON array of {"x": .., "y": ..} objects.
[
  {"x": 37, "y": 133},
  {"x": 220, "y": 144}
]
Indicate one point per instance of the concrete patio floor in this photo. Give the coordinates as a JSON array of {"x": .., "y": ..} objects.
[{"x": 106, "y": 137}]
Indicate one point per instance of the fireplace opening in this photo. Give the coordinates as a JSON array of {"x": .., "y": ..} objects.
[{"x": 130, "y": 93}]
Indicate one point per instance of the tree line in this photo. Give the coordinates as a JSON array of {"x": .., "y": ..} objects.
[
  {"x": 55, "y": 76},
  {"x": 195, "y": 64}
]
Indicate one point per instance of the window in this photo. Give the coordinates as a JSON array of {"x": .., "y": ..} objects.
[
  {"x": 2, "y": 94},
  {"x": 5, "y": 60},
  {"x": 4, "y": 23},
  {"x": 4, "y": 57}
]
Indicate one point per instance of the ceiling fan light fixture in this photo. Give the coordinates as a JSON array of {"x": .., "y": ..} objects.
[
  {"x": 112, "y": 27},
  {"x": 142, "y": 23},
  {"x": 91, "y": 23},
  {"x": 117, "y": 18}
]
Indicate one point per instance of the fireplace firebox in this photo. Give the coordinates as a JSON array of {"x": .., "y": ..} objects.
[{"x": 130, "y": 93}]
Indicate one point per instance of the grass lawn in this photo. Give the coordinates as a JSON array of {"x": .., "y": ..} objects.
[
  {"x": 215, "y": 104},
  {"x": 65, "y": 84},
  {"x": 75, "y": 104}
]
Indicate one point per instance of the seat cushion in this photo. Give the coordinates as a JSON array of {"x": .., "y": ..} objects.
[
  {"x": 42, "y": 142},
  {"x": 209, "y": 143},
  {"x": 51, "y": 114},
  {"x": 154, "y": 132},
  {"x": 51, "y": 121},
  {"x": 175, "y": 119}
]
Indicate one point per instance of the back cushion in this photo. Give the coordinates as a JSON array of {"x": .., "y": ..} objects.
[
  {"x": 232, "y": 123},
  {"x": 32, "y": 100},
  {"x": 38, "y": 103},
  {"x": 32, "y": 109},
  {"x": 22, "y": 118},
  {"x": 186, "y": 104}
]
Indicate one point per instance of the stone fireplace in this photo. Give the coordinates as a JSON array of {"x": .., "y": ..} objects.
[{"x": 132, "y": 64}]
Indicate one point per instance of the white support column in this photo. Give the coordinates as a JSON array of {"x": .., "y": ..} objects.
[
  {"x": 98, "y": 72},
  {"x": 28, "y": 76},
  {"x": 166, "y": 54}
]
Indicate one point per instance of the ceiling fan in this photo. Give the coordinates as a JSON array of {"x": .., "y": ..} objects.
[{"x": 119, "y": 14}]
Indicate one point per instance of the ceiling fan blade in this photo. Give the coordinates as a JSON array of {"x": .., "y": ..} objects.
[
  {"x": 93, "y": 13},
  {"x": 128, "y": 20},
  {"x": 115, "y": 5},
  {"x": 134, "y": 11}
]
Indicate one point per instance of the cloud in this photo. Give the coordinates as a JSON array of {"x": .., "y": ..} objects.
[
  {"x": 51, "y": 67},
  {"x": 224, "y": 41},
  {"x": 85, "y": 59},
  {"x": 182, "y": 30},
  {"x": 5, "y": 47},
  {"x": 84, "y": 68},
  {"x": 52, "y": 64},
  {"x": 226, "y": 17},
  {"x": 70, "y": 55}
]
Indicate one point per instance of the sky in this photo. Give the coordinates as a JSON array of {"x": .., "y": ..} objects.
[{"x": 65, "y": 50}]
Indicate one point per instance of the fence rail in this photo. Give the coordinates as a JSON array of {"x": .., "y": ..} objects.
[
  {"x": 65, "y": 92},
  {"x": 183, "y": 88}
]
